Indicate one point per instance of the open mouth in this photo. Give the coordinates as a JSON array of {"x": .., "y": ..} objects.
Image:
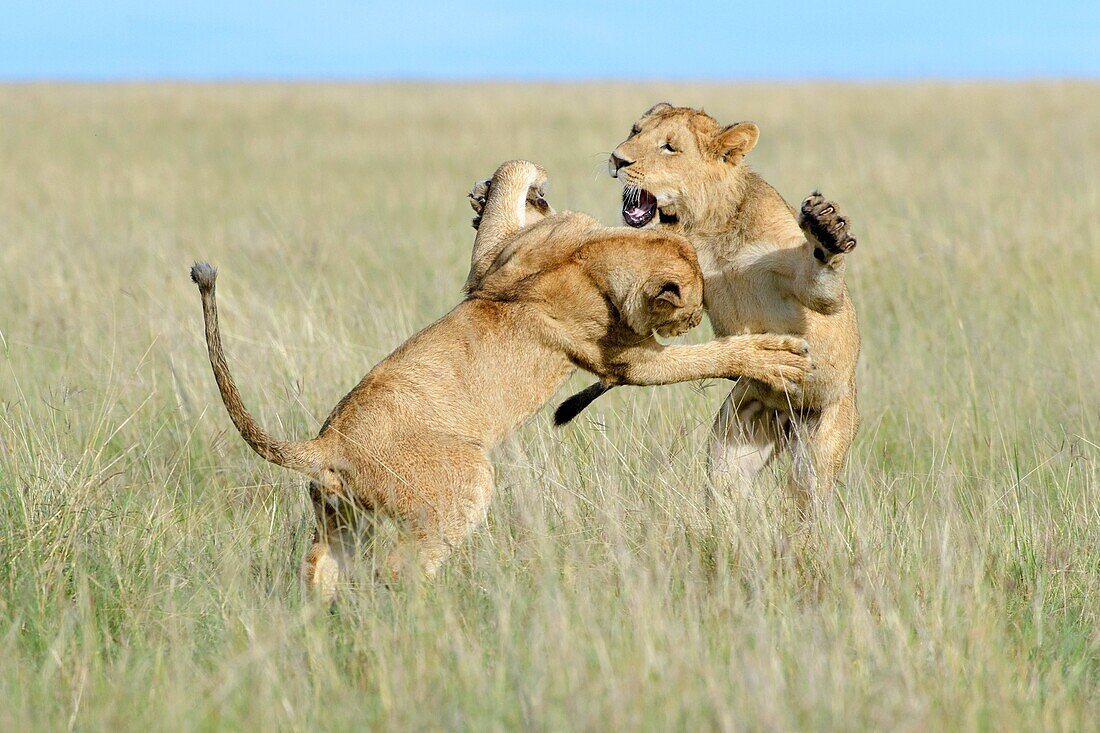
[{"x": 639, "y": 207}]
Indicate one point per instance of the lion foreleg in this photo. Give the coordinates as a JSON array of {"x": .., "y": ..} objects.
[
  {"x": 818, "y": 278},
  {"x": 504, "y": 213},
  {"x": 780, "y": 361}
]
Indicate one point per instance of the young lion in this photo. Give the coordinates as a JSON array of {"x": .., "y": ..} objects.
[
  {"x": 410, "y": 441},
  {"x": 764, "y": 270}
]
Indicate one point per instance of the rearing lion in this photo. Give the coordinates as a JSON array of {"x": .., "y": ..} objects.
[
  {"x": 547, "y": 293},
  {"x": 765, "y": 269}
]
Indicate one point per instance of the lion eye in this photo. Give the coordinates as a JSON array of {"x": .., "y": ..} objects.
[
  {"x": 667, "y": 147},
  {"x": 635, "y": 130}
]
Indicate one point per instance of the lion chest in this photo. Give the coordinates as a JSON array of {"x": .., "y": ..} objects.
[{"x": 740, "y": 295}]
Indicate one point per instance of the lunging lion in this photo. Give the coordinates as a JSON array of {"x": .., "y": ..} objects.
[
  {"x": 410, "y": 441},
  {"x": 765, "y": 269}
]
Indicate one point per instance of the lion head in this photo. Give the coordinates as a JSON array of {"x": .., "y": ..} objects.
[
  {"x": 653, "y": 281},
  {"x": 671, "y": 162}
]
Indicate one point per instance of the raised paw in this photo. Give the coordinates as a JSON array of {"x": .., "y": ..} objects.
[
  {"x": 536, "y": 197},
  {"x": 478, "y": 195},
  {"x": 827, "y": 227},
  {"x": 511, "y": 175},
  {"x": 781, "y": 362},
  {"x": 533, "y": 174}
]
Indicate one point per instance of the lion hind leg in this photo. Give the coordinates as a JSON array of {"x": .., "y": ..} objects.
[
  {"x": 460, "y": 493},
  {"x": 342, "y": 533},
  {"x": 746, "y": 437},
  {"x": 819, "y": 446}
]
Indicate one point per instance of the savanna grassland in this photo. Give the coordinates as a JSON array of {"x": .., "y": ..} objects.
[{"x": 148, "y": 560}]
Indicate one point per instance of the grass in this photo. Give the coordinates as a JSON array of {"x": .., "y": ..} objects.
[{"x": 148, "y": 559}]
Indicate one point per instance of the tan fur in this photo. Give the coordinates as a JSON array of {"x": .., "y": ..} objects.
[
  {"x": 765, "y": 269},
  {"x": 410, "y": 442}
]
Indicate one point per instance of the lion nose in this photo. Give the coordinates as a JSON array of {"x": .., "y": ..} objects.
[{"x": 616, "y": 163}]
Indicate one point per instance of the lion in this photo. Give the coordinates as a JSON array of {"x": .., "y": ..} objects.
[
  {"x": 410, "y": 442},
  {"x": 765, "y": 269}
]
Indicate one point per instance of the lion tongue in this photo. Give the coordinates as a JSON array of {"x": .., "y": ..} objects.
[{"x": 639, "y": 207}]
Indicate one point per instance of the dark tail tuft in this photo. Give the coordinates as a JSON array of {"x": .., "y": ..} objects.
[
  {"x": 576, "y": 404},
  {"x": 204, "y": 274}
]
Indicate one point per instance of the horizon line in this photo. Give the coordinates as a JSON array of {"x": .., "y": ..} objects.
[{"x": 122, "y": 79}]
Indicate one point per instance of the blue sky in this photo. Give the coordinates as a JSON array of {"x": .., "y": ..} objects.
[{"x": 564, "y": 39}]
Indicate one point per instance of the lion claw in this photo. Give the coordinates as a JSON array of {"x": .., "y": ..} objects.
[{"x": 822, "y": 222}]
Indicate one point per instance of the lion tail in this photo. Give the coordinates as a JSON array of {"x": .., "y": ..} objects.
[
  {"x": 308, "y": 457},
  {"x": 577, "y": 403}
]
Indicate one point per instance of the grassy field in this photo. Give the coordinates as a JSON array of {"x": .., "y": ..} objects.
[{"x": 148, "y": 560}]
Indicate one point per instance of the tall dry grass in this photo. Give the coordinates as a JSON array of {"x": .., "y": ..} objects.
[{"x": 148, "y": 560}]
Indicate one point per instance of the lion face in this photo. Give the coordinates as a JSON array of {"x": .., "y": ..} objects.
[{"x": 669, "y": 161}]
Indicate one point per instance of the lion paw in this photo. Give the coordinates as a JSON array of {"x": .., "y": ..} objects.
[
  {"x": 535, "y": 177},
  {"x": 531, "y": 175},
  {"x": 827, "y": 227},
  {"x": 781, "y": 362},
  {"x": 478, "y": 195}
]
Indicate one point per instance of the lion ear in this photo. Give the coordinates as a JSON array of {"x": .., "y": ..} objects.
[
  {"x": 659, "y": 107},
  {"x": 670, "y": 293},
  {"x": 734, "y": 142}
]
